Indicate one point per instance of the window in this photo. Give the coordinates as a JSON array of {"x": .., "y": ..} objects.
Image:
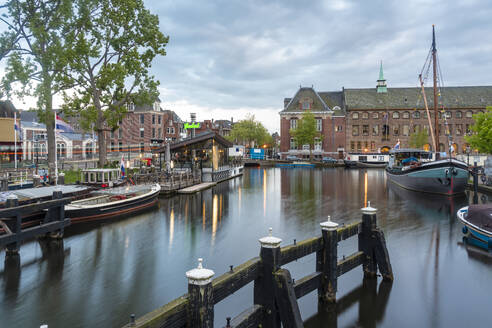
[
  {"x": 142, "y": 118},
  {"x": 365, "y": 130},
  {"x": 159, "y": 133},
  {"x": 293, "y": 144},
  {"x": 396, "y": 115},
  {"x": 61, "y": 150},
  {"x": 467, "y": 129},
  {"x": 449, "y": 129},
  {"x": 375, "y": 130},
  {"x": 416, "y": 128},
  {"x": 447, "y": 114},
  {"x": 459, "y": 129},
  {"x": 406, "y": 130},
  {"x": 416, "y": 114},
  {"x": 396, "y": 129},
  {"x": 365, "y": 115},
  {"x": 120, "y": 133},
  {"x": 359, "y": 146},
  {"x": 170, "y": 122},
  {"x": 355, "y": 116},
  {"x": 405, "y": 115},
  {"x": 385, "y": 131},
  {"x": 375, "y": 115},
  {"x": 319, "y": 124},
  {"x": 156, "y": 106},
  {"x": 439, "y": 127},
  {"x": 338, "y": 128},
  {"x": 293, "y": 124},
  {"x": 130, "y": 106},
  {"x": 153, "y": 118},
  {"x": 112, "y": 146},
  {"x": 352, "y": 145},
  {"x": 142, "y": 147},
  {"x": 355, "y": 130},
  {"x": 317, "y": 144},
  {"x": 111, "y": 134},
  {"x": 159, "y": 119},
  {"x": 170, "y": 130},
  {"x": 469, "y": 114},
  {"x": 458, "y": 114},
  {"x": 120, "y": 146},
  {"x": 142, "y": 131},
  {"x": 373, "y": 145},
  {"x": 153, "y": 132},
  {"x": 306, "y": 104}
]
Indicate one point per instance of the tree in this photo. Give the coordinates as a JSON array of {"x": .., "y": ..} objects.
[
  {"x": 418, "y": 139},
  {"x": 250, "y": 132},
  {"x": 481, "y": 138},
  {"x": 306, "y": 133},
  {"x": 36, "y": 55},
  {"x": 111, "y": 52}
]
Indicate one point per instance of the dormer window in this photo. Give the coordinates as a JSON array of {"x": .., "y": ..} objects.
[
  {"x": 306, "y": 104},
  {"x": 156, "y": 106},
  {"x": 130, "y": 106}
]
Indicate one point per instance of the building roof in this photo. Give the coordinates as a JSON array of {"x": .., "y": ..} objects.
[
  {"x": 32, "y": 125},
  {"x": 318, "y": 103},
  {"x": 410, "y": 98},
  {"x": 198, "y": 138},
  {"x": 7, "y": 109}
]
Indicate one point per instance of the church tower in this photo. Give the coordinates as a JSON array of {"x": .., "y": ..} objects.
[{"x": 381, "y": 86}]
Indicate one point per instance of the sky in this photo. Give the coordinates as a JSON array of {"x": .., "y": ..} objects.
[{"x": 233, "y": 58}]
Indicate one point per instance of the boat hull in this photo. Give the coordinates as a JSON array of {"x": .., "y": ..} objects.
[
  {"x": 473, "y": 234},
  {"x": 111, "y": 210},
  {"x": 447, "y": 178},
  {"x": 365, "y": 165}
]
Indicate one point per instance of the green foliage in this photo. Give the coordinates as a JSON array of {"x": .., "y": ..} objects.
[
  {"x": 306, "y": 132},
  {"x": 481, "y": 138},
  {"x": 249, "y": 131},
  {"x": 418, "y": 139}
]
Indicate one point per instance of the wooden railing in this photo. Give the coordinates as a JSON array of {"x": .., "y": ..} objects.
[{"x": 275, "y": 292}]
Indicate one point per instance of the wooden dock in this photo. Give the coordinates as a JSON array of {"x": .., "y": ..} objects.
[
  {"x": 275, "y": 292},
  {"x": 196, "y": 188}
]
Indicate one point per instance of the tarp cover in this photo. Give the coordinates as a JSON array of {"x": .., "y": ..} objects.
[{"x": 480, "y": 216}]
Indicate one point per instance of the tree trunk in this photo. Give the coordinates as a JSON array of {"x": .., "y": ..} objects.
[
  {"x": 50, "y": 121},
  {"x": 101, "y": 140}
]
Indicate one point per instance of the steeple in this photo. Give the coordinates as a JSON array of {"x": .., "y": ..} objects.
[{"x": 381, "y": 86}]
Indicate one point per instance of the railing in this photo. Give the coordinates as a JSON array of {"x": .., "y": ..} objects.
[{"x": 275, "y": 292}]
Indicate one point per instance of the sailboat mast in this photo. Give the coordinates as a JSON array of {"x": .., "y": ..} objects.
[{"x": 434, "y": 68}]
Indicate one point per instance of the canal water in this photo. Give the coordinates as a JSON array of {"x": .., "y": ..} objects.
[{"x": 101, "y": 275}]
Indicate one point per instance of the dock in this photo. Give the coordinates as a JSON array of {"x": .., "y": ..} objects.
[{"x": 196, "y": 188}]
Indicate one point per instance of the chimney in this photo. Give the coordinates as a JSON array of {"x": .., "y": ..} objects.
[{"x": 232, "y": 120}]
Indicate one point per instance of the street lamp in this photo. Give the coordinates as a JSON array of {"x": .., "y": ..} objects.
[{"x": 468, "y": 149}]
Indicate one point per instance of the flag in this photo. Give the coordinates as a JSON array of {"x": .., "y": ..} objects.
[
  {"x": 397, "y": 146},
  {"x": 16, "y": 126},
  {"x": 122, "y": 166},
  {"x": 62, "y": 125}
]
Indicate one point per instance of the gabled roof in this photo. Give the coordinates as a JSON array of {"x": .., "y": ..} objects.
[
  {"x": 410, "y": 98},
  {"x": 7, "y": 109},
  {"x": 198, "y": 138},
  {"x": 318, "y": 104}
]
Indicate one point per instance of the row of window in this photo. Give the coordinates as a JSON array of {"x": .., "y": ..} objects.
[
  {"x": 319, "y": 125},
  {"x": 371, "y": 146},
  {"x": 415, "y": 114},
  {"x": 317, "y": 144},
  {"x": 131, "y": 106},
  {"x": 405, "y": 129},
  {"x": 159, "y": 119},
  {"x": 169, "y": 130}
]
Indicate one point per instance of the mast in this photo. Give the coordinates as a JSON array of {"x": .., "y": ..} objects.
[{"x": 434, "y": 69}]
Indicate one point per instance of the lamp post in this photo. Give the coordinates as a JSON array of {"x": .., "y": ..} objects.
[{"x": 468, "y": 154}]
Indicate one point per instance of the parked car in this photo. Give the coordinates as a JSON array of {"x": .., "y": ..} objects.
[
  {"x": 329, "y": 160},
  {"x": 291, "y": 158}
]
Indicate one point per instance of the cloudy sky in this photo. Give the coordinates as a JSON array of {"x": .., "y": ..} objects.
[{"x": 230, "y": 58}]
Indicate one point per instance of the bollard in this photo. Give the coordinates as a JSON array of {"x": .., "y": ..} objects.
[
  {"x": 43, "y": 326},
  {"x": 4, "y": 184},
  {"x": 264, "y": 294},
  {"x": 201, "y": 302},
  {"x": 366, "y": 243},
  {"x": 12, "y": 249},
  {"x": 61, "y": 179},
  {"x": 328, "y": 287},
  {"x": 132, "y": 320},
  {"x": 36, "y": 180}
]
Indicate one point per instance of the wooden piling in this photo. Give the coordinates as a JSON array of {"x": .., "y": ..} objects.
[
  {"x": 264, "y": 293},
  {"x": 369, "y": 265},
  {"x": 200, "y": 312},
  {"x": 286, "y": 300},
  {"x": 328, "y": 287}
]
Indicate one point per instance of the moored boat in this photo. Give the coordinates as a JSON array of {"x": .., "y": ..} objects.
[
  {"x": 296, "y": 164},
  {"x": 477, "y": 224},
  {"x": 109, "y": 203},
  {"x": 366, "y": 160}
]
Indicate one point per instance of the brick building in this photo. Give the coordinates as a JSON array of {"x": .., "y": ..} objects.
[
  {"x": 221, "y": 127},
  {"x": 327, "y": 108},
  {"x": 374, "y": 119}
]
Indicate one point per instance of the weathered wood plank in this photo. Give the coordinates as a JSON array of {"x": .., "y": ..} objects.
[
  {"x": 285, "y": 298},
  {"x": 33, "y": 232},
  {"x": 349, "y": 263},
  {"x": 307, "y": 284},
  {"x": 250, "y": 318},
  {"x": 171, "y": 315},
  {"x": 349, "y": 230},
  {"x": 230, "y": 282},
  {"x": 382, "y": 255},
  {"x": 32, "y": 208},
  {"x": 293, "y": 252}
]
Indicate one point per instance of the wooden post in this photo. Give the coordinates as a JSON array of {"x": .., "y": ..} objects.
[
  {"x": 264, "y": 293},
  {"x": 328, "y": 288},
  {"x": 14, "y": 226},
  {"x": 61, "y": 179},
  {"x": 366, "y": 241},
  {"x": 200, "y": 313},
  {"x": 286, "y": 300},
  {"x": 4, "y": 183},
  {"x": 36, "y": 180},
  {"x": 55, "y": 214}
]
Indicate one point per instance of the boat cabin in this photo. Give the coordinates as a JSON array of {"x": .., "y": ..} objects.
[
  {"x": 407, "y": 157},
  {"x": 375, "y": 158},
  {"x": 101, "y": 177}
]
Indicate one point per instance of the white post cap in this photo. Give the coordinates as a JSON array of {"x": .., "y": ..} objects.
[
  {"x": 328, "y": 225},
  {"x": 199, "y": 276},
  {"x": 369, "y": 209},
  {"x": 35, "y": 176},
  {"x": 270, "y": 241},
  {"x": 43, "y": 326},
  {"x": 61, "y": 174},
  {"x": 12, "y": 196}
]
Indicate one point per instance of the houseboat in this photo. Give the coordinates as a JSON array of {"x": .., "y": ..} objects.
[{"x": 366, "y": 160}]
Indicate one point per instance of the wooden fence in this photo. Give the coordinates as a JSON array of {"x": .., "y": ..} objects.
[{"x": 275, "y": 292}]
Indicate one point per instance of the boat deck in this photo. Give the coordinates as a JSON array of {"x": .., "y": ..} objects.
[{"x": 197, "y": 188}]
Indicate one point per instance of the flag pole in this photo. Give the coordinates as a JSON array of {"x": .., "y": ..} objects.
[
  {"x": 15, "y": 140},
  {"x": 56, "y": 156}
]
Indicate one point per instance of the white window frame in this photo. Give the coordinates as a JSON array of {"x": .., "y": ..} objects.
[{"x": 319, "y": 124}]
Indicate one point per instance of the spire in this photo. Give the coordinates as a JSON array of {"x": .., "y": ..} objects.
[{"x": 381, "y": 86}]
